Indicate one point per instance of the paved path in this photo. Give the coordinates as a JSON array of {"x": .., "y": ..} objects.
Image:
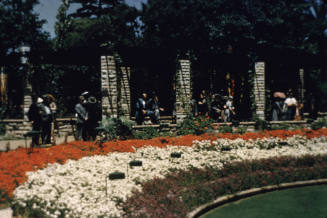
[
  {"x": 14, "y": 144},
  {"x": 5, "y": 213}
]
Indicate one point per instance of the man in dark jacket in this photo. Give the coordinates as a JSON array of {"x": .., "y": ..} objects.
[
  {"x": 82, "y": 117},
  {"x": 34, "y": 116},
  {"x": 46, "y": 117},
  {"x": 141, "y": 109}
]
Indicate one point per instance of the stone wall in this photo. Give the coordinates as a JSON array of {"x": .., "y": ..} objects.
[{"x": 18, "y": 127}]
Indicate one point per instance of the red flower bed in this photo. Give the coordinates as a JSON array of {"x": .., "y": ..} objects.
[{"x": 15, "y": 164}]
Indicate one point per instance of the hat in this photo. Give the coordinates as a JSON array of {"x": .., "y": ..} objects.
[
  {"x": 39, "y": 100},
  {"x": 85, "y": 93}
]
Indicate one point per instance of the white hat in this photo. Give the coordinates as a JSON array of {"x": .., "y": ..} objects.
[{"x": 39, "y": 100}]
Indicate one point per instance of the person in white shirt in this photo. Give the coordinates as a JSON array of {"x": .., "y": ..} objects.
[{"x": 290, "y": 103}]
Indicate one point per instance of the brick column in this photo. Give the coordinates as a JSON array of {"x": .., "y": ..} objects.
[
  {"x": 259, "y": 90},
  {"x": 125, "y": 92},
  {"x": 109, "y": 87},
  {"x": 301, "y": 88},
  {"x": 183, "y": 90}
]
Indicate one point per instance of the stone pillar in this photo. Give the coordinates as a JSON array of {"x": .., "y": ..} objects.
[
  {"x": 259, "y": 90},
  {"x": 3, "y": 86},
  {"x": 301, "y": 88},
  {"x": 125, "y": 92},
  {"x": 109, "y": 87},
  {"x": 27, "y": 96},
  {"x": 183, "y": 90}
]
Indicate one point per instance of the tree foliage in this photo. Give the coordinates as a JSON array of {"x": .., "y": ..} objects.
[
  {"x": 20, "y": 25},
  {"x": 97, "y": 23},
  {"x": 214, "y": 25}
]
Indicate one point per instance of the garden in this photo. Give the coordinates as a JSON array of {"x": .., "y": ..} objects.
[{"x": 158, "y": 177}]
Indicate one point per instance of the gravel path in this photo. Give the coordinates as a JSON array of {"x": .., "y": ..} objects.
[
  {"x": 14, "y": 144},
  {"x": 5, "y": 213}
]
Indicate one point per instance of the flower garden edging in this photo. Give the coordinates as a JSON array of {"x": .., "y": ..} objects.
[{"x": 251, "y": 192}]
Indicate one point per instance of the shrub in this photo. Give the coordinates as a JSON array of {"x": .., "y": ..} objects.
[
  {"x": 118, "y": 128},
  {"x": 194, "y": 125},
  {"x": 146, "y": 133},
  {"x": 2, "y": 116},
  {"x": 226, "y": 129},
  {"x": 241, "y": 130},
  {"x": 283, "y": 126},
  {"x": 318, "y": 124},
  {"x": 261, "y": 124}
]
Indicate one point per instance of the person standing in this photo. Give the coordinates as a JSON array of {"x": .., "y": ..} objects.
[
  {"x": 93, "y": 109},
  {"x": 291, "y": 104},
  {"x": 141, "y": 109},
  {"x": 202, "y": 105},
  {"x": 229, "y": 109},
  {"x": 194, "y": 106},
  {"x": 277, "y": 108},
  {"x": 34, "y": 116},
  {"x": 216, "y": 108},
  {"x": 47, "y": 118},
  {"x": 82, "y": 117}
]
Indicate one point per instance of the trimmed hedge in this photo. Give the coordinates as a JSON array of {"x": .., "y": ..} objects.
[{"x": 181, "y": 192}]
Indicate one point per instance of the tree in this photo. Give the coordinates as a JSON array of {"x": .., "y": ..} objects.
[
  {"x": 20, "y": 25},
  {"x": 98, "y": 23},
  {"x": 214, "y": 25}
]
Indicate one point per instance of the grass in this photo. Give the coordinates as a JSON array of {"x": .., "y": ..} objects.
[{"x": 302, "y": 202}]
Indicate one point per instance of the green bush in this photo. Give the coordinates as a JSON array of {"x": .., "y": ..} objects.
[
  {"x": 2, "y": 116},
  {"x": 2, "y": 128},
  {"x": 261, "y": 124},
  {"x": 318, "y": 124},
  {"x": 283, "y": 126},
  {"x": 118, "y": 128},
  {"x": 241, "y": 130},
  {"x": 146, "y": 133},
  {"x": 194, "y": 125},
  {"x": 226, "y": 129}
]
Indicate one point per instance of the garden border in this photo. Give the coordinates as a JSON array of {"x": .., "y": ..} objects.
[{"x": 250, "y": 192}]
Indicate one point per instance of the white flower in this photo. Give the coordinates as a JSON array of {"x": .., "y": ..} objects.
[{"x": 84, "y": 189}]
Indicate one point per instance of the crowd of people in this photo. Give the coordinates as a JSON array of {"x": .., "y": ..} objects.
[
  {"x": 87, "y": 117},
  {"x": 218, "y": 107},
  {"x": 148, "y": 106},
  {"x": 41, "y": 114},
  {"x": 286, "y": 107}
]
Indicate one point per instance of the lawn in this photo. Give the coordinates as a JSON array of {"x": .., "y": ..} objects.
[{"x": 302, "y": 202}]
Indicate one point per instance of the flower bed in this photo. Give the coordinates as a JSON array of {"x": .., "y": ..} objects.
[
  {"x": 83, "y": 181},
  {"x": 16, "y": 163},
  {"x": 180, "y": 192}
]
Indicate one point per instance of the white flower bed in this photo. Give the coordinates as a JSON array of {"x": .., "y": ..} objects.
[{"x": 80, "y": 186}]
